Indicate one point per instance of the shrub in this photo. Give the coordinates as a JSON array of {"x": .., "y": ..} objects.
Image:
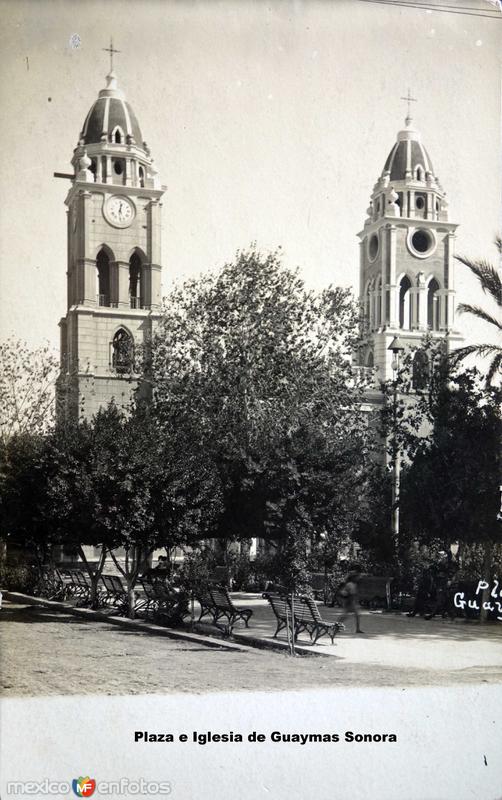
[{"x": 18, "y": 578}]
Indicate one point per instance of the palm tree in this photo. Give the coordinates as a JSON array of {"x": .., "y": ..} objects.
[{"x": 491, "y": 283}]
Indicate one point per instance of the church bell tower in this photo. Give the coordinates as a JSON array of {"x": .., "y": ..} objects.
[
  {"x": 406, "y": 256},
  {"x": 114, "y": 257}
]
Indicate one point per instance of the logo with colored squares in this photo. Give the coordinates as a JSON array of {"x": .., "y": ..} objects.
[{"x": 84, "y": 787}]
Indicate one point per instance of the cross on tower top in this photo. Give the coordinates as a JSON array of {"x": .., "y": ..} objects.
[
  {"x": 111, "y": 50},
  {"x": 409, "y": 99}
]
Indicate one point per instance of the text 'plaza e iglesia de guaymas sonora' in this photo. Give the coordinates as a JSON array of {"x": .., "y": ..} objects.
[{"x": 406, "y": 277}]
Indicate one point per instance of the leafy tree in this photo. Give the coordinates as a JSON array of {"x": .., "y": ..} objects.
[
  {"x": 24, "y": 513},
  {"x": 491, "y": 283},
  {"x": 124, "y": 482},
  {"x": 439, "y": 420},
  {"x": 450, "y": 481},
  {"x": 450, "y": 489},
  {"x": 258, "y": 369},
  {"x": 156, "y": 491},
  {"x": 26, "y": 389},
  {"x": 26, "y": 404}
]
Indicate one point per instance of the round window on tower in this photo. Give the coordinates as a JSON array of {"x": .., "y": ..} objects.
[
  {"x": 420, "y": 203},
  {"x": 373, "y": 246},
  {"x": 421, "y": 242},
  {"x": 117, "y": 166}
]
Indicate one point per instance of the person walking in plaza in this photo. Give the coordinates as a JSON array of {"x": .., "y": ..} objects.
[{"x": 350, "y": 594}]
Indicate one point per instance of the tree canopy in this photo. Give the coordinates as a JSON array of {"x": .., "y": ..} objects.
[{"x": 259, "y": 369}]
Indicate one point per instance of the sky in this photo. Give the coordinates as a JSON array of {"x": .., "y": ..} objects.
[{"x": 269, "y": 122}]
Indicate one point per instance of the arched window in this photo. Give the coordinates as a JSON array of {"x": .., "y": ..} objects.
[
  {"x": 370, "y": 359},
  {"x": 433, "y": 305},
  {"x": 420, "y": 370},
  {"x": 419, "y": 174},
  {"x": 378, "y": 302},
  {"x": 141, "y": 173},
  {"x": 404, "y": 303},
  {"x": 367, "y": 306},
  {"x": 135, "y": 299},
  {"x": 122, "y": 352},
  {"x": 420, "y": 205},
  {"x": 103, "y": 268},
  {"x": 118, "y": 137}
]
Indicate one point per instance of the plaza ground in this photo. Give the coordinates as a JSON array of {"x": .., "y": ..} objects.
[{"x": 45, "y": 652}]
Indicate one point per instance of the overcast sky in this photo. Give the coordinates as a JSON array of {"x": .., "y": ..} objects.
[{"x": 268, "y": 122}]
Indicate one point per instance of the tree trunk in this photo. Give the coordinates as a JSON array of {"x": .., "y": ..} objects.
[
  {"x": 94, "y": 575},
  {"x": 131, "y": 597}
]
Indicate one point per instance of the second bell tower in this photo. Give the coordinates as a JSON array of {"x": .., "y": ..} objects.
[
  {"x": 407, "y": 256},
  {"x": 114, "y": 257}
]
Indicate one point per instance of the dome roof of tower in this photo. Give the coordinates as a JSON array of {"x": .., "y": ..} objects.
[
  {"x": 407, "y": 155},
  {"x": 109, "y": 112}
]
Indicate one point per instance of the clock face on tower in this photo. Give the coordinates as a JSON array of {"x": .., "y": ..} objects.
[{"x": 119, "y": 211}]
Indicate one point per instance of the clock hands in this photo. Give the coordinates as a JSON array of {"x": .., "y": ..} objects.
[{"x": 120, "y": 210}]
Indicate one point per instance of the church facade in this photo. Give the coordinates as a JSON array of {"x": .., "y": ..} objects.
[
  {"x": 406, "y": 276},
  {"x": 113, "y": 257}
]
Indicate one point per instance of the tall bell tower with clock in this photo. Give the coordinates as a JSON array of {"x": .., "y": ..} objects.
[{"x": 113, "y": 256}]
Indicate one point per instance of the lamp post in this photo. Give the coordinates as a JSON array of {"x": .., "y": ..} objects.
[{"x": 396, "y": 347}]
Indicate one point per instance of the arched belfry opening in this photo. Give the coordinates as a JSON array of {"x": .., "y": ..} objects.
[
  {"x": 135, "y": 288},
  {"x": 433, "y": 316},
  {"x": 404, "y": 303},
  {"x": 103, "y": 276},
  {"x": 122, "y": 352}
]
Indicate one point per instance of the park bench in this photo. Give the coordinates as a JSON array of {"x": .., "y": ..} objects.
[
  {"x": 374, "y": 591},
  {"x": 206, "y": 603},
  {"x": 162, "y": 600},
  {"x": 49, "y": 585},
  {"x": 64, "y": 581},
  {"x": 281, "y": 608},
  {"x": 223, "y": 607},
  {"x": 150, "y": 599},
  {"x": 115, "y": 593},
  {"x": 78, "y": 586},
  {"x": 308, "y": 618}
]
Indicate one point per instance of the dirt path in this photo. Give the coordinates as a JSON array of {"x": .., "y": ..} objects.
[{"x": 47, "y": 653}]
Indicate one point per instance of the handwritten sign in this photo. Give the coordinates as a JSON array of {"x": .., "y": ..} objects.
[{"x": 477, "y": 603}]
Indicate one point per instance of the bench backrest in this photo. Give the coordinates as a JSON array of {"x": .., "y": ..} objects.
[
  {"x": 74, "y": 578},
  {"x": 280, "y": 605},
  {"x": 83, "y": 578},
  {"x": 113, "y": 584},
  {"x": 220, "y": 597},
  {"x": 204, "y": 597},
  {"x": 149, "y": 589},
  {"x": 305, "y": 609}
]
